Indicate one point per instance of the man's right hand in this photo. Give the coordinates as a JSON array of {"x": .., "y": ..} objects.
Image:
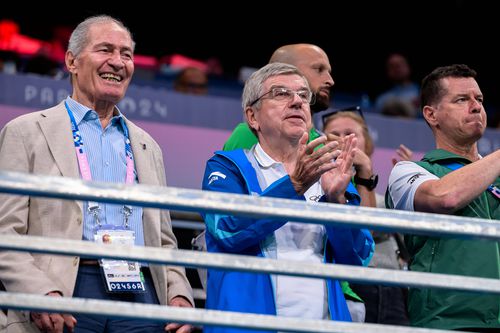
[
  {"x": 311, "y": 163},
  {"x": 335, "y": 181},
  {"x": 53, "y": 322}
]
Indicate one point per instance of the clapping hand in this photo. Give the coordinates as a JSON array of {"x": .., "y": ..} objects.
[
  {"x": 334, "y": 182},
  {"x": 311, "y": 163}
]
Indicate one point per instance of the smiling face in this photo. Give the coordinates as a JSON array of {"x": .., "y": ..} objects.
[
  {"x": 102, "y": 71},
  {"x": 281, "y": 118}
]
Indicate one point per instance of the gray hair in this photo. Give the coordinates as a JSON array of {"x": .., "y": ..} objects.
[
  {"x": 79, "y": 36},
  {"x": 254, "y": 84}
]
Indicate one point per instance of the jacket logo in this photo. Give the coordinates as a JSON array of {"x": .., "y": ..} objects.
[
  {"x": 414, "y": 177},
  {"x": 215, "y": 176}
]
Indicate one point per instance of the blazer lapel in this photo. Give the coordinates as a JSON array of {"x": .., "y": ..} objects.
[
  {"x": 56, "y": 128},
  {"x": 142, "y": 155}
]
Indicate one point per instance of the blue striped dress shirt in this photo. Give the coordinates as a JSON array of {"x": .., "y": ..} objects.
[{"x": 105, "y": 149}]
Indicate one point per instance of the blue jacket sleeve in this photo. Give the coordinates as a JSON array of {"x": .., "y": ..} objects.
[
  {"x": 235, "y": 233},
  {"x": 351, "y": 246}
]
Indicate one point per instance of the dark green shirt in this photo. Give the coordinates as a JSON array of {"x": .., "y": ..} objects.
[{"x": 242, "y": 137}]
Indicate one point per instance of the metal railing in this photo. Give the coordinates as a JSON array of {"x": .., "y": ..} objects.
[
  {"x": 163, "y": 256},
  {"x": 194, "y": 316},
  {"x": 194, "y": 200},
  {"x": 251, "y": 206}
]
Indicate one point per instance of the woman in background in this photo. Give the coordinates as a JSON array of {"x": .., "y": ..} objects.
[{"x": 384, "y": 304}]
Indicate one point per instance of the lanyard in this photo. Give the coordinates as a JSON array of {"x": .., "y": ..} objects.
[
  {"x": 492, "y": 188},
  {"x": 84, "y": 165}
]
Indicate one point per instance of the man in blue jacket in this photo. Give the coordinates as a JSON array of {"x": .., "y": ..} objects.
[{"x": 282, "y": 164}]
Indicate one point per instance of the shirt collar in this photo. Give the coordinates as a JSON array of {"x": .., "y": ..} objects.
[
  {"x": 263, "y": 158},
  {"x": 81, "y": 112}
]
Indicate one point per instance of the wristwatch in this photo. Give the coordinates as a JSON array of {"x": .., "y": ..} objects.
[{"x": 369, "y": 183}]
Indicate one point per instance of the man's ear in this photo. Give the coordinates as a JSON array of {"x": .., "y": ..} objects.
[
  {"x": 70, "y": 59},
  {"x": 429, "y": 113},
  {"x": 251, "y": 119}
]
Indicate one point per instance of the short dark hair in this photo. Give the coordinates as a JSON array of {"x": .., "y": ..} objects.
[{"x": 431, "y": 90}]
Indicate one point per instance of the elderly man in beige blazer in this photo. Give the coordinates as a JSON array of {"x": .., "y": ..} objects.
[{"x": 100, "y": 60}]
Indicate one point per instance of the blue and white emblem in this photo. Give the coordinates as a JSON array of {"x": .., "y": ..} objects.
[{"x": 215, "y": 176}]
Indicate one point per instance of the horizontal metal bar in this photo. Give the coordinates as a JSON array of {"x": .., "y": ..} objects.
[
  {"x": 252, "y": 206},
  {"x": 165, "y": 314},
  {"x": 250, "y": 264}
]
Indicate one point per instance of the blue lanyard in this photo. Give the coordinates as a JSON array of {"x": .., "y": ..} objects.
[
  {"x": 85, "y": 167},
  {"x": 492, "y": 188}
]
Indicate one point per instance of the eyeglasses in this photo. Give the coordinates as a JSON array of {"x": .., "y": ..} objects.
[
  {"x": 281, "y": 94},
  {"x": 353, "y": 109}
]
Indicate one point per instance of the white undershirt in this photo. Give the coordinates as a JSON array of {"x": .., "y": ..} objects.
[
  {"x": 404, "y": 180},
  {"x": 295, "y": 296}
]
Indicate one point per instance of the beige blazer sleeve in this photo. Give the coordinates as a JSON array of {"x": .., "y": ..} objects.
[{"x": 39, "y": 143}]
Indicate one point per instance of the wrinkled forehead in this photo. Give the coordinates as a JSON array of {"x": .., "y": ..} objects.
[
  {"x": 460, "y": 86},
  {"x": 291, "y": 81},
  {"x": 110, "y": 33}
]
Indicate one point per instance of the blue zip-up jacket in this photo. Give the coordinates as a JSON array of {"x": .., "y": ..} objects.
[{"x": 233, "y": 172}]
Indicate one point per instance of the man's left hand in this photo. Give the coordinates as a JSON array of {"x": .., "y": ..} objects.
[{"x": 175, "y": 327}]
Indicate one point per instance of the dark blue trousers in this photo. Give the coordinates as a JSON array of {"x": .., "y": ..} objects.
[{"x": 90, "y": 284}]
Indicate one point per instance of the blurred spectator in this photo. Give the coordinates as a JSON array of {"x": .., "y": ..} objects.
[
  {"x": 191, "y": 80},
  {"x": 174, "y": 62},
  {"x": 43, "y": 65},
  {"x": 44, "y": 58},
  {"x": 59, "y": 43},
  {"x": 403, "y": 98},
  {"x": 49, "y": 59},
  {"x": 494, "y": 120},
  {"x": 245, "y": 72},
  {"x": 8, "y": 62}
]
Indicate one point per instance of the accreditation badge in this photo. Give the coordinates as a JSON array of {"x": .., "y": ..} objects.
[{"x": 120, "y": 275}]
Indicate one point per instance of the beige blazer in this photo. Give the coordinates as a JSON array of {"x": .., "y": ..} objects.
[{"x": 41, "y": 143}]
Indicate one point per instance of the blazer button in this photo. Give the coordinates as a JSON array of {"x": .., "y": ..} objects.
[
  {"x": 79, "y": 220},
  {"x": 75, "y": 261}
]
